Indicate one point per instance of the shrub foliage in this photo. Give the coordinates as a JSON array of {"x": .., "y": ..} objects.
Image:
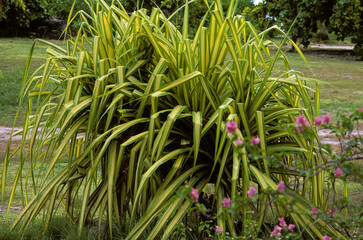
[{"x": 137, "y": 108}]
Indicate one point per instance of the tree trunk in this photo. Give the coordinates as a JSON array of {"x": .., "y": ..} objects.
[{"x": 293, "y": 38}]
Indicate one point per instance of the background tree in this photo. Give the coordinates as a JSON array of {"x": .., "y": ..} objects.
[
  {"x": 17, "y": 3},
  {"x": 196, "y": 9},
  {"x": 284, "y": 12},
  {"x": 18, "y": 18},
  {"x": 16, "y": 21},
  {"x": 343, "y": 17},
  {"x": 28, "y": 18},
  {"x": 347, "y": 21}
]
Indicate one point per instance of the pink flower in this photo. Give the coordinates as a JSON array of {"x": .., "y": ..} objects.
[
  {"x": 361, "y": 109},
  {"x": 251, "y": 191},
  {"x": 301, "y": 121},
  {"x": 282, "y": 222},
  {"x": 338, "y": 172},
  {"x": 334, "y": 210},
  {"x": 239, "y": 142},
  {"x": 314, "y": 211},
  {"x": 255, "y": 140},
  {"x": 318, "y": 121},
  {"x": 273, "y": 233},
  {"x": 277, "y": 228},
  {"x": 231, "y": 127},
  {"x": 194, "y": 194},
  {"x": 326, "y": 119},
  {"x": 291, "y": 227},
  {"x": 299, "y": 129},
  {"x": 219, "y": 229},
  {"x": 325, "y": 237},
  {"x": 281, "y": 186},
  {"x": 226, "y": 202},
  {"x": 276, "y": 231}
]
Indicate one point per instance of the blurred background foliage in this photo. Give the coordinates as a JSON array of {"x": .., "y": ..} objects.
[
  {"x": 196, "y": 9},
  {"x": 344, "y": 18},
  {"x": 46, "y": 18}
]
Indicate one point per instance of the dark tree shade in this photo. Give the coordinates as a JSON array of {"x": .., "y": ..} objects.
[
  {"x": 17, "y": 21},
  {"x": 307, "y": 13},
  {"x": 196, "y": 9},
  {"x": 347, "y": 21}
]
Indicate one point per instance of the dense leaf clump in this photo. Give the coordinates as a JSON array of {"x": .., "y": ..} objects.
[{"x": 137, "y": 109}]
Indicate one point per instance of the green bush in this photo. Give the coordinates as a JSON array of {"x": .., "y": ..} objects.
[{"x": 138, "y": 108}]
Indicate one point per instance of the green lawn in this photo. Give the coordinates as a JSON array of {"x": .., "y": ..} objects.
[
  {"x": 341, "y": 79},
  {"x": 13, "y": 54}
]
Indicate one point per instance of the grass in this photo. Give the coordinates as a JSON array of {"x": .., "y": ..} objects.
[
  {"x": 13, "y": 54},
  {"x": 340, "y": 80},
  {"x": 313, "y": 41},
  {"x": 60, "y": 228}
]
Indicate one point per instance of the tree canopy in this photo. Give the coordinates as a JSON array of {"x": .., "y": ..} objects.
[
  {"x": 347, "y": 21},
  {"x": 197, "y": 9},
  {"x": 342, "y": 17},
  {"x": 18, "y": 16}
]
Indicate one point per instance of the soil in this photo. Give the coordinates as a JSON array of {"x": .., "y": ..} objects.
[
  {"x": 331, "y": 47},
  {"x": 5, "y": 133},
  {"x": 4, "y": 138},
  {"x": 323, "y": 50}
]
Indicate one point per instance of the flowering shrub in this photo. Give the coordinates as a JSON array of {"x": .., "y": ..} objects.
[{"x": 287, "y": 230}]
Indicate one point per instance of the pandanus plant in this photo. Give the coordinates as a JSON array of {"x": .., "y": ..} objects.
[{"x": 136, "y": 108}]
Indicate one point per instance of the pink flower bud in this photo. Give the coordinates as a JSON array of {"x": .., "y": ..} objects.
[
  {"x": 361, "y": 109},
  {"x": 277, "y": 228},
  {"x": 291, "y": 227},
  {"x": 282, "y": 222},
  {"x": 194, "y": 194},
  {"x": 255, "y": 140},
  {"x": 338, "y": 172},
  {"x": 226, "y": 202},
  {"x": 231, "y": 127},
  {"x": 318, "y": 121},
  {"x": 251, "y": 191},
  {"x": 314, "y": 211},
  {"x": 334, "y": 210},
  {"x": 219, "y": 229},
  {"x": 326, "y": 119},
  {"x": 273, "y": 233},
  {"x": 325, "y": 237},
  {"x": 302, "y": 121},
  {"x": 239, "y": 142},
  {"x": 281, "y": 186},
  {"x": 329, "y": 211},
  {"x": 299, "y": 129}
]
